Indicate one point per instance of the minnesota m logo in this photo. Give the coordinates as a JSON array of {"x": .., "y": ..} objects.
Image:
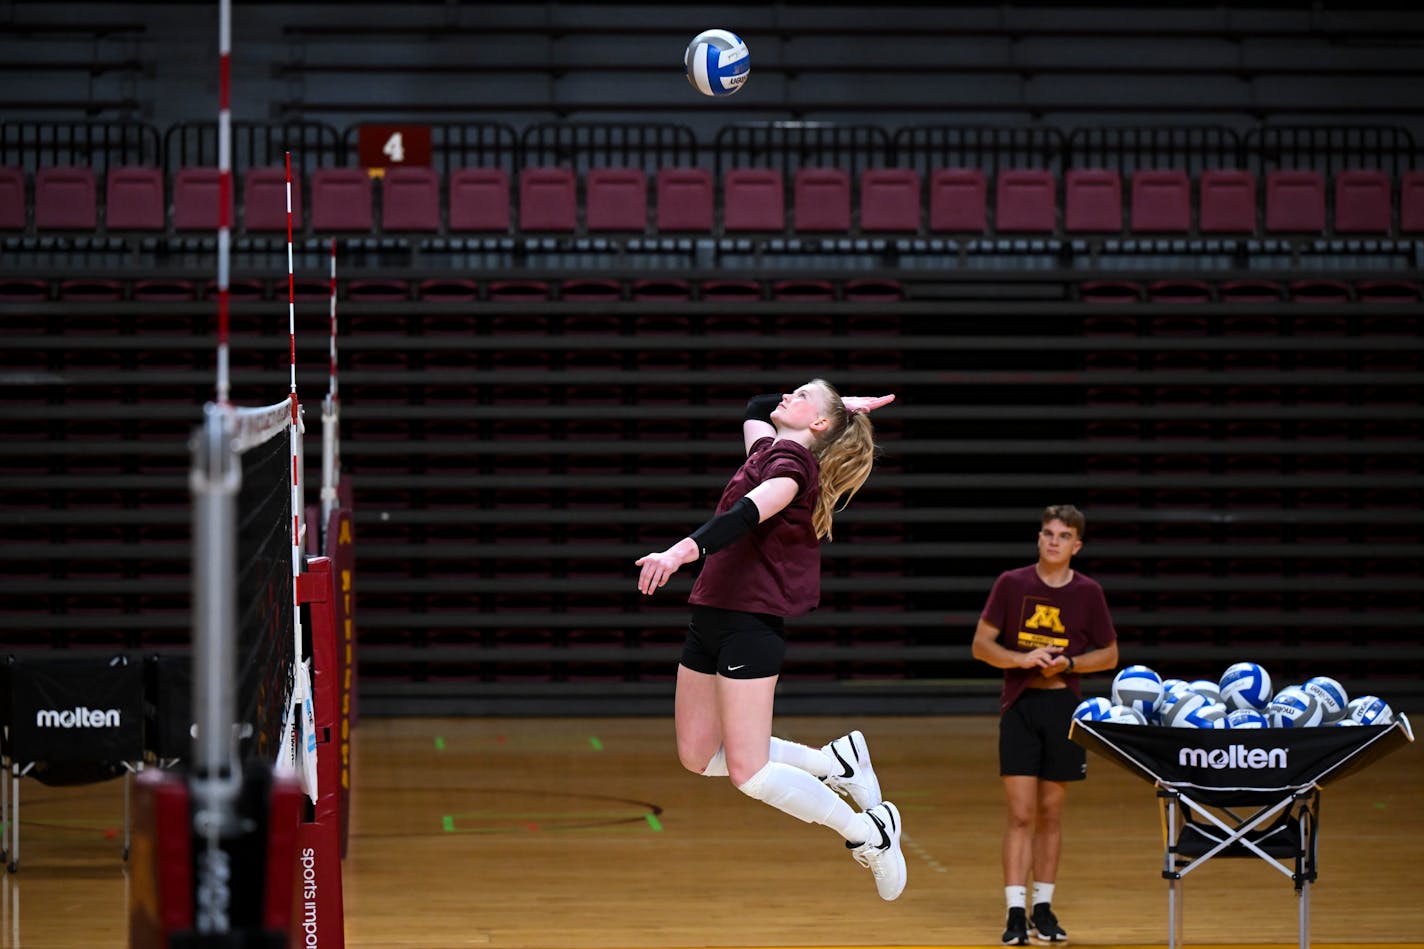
[{"x": 1045, "y": 617}]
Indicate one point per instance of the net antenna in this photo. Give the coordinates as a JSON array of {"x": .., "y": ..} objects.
[
  {"x": 225, "y": 202},
  {"x": 330, "y": 422}
]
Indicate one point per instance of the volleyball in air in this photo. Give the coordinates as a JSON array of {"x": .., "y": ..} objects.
[
  {"x": 1138, "y": 687},
  {"x": 717, "y": 62},
  {"x": 1245, "y": 685}
]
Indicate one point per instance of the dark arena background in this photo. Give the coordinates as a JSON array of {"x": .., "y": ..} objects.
[{"x": 1161, "y": 261}]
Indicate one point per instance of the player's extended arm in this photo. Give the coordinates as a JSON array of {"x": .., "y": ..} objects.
[
  {"x": 987, "y": 648},
  {"x": 761, "y": 502}
]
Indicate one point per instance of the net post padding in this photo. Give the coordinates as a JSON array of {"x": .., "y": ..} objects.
[{"x": 319, "y": 838}]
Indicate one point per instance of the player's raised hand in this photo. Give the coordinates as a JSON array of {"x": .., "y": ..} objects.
[{"x": 856, "y": 404}]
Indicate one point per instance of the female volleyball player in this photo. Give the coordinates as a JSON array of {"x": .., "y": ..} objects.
[{"x": 807, "y": 451}]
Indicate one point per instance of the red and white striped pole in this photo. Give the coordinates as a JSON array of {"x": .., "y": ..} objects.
[
  {"x": 331, "y": 387},
  {"x": 296, "y": 411},
  {"x": 224, "y": 191}
]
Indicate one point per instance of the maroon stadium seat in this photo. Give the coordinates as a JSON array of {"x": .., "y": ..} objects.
[
  {"x": 1027, "y": 201},
  {"x": 341, "y": 200},
  {"x": 264, "y": 200},
  {"x": 1092, "y": 200},
  {"x": 1227, "y": 202},
  {"x": 410, "y": 199},
  {"x": 958, "y": 199},
  {"x": 1161, "y": 202},
  {"x": 195, "y": 200},
  {"x": 12, "y": 199},
  {"x": 1295, "y": 202},
  {"x": 64, "y": 199},
  {"x": 684, "y": 200},
  {"x": 1411, "y": 202},
  {"x": 479, "y": 200},
  {"x": 134, "y": 199},
  {"x": 821, "y": 199},
  {"x": 548, "y": 199},
  {"x": 890, "y": 200},
  {"x": 753, "y": 199},
  {"x": 1362, "y": 204},
  {"x": 617, "y": 199}
]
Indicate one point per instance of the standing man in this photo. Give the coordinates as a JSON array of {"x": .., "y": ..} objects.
[{"x": 1044, "y": 625}]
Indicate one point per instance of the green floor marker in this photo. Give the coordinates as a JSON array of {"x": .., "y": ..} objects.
[
  {"x": 597, "y": 745},
  {"x": 448, "y": 824},
  {"x": 439, "y": 743},
  {"x": 653, "y": 821}
]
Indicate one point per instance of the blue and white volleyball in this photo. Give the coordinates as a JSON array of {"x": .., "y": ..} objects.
[
  {"x": 1371, "y": 710},
  {"x": 717, "y": 62},
  {"x": 1245, "y": 685},
  {"x": 1123, "y": 715},
  {"x": 1293, "y": 707},
  {"x": 1197, "y": 711},
  {"x": 1093, "y": 710},
  {"x": 1246, "y": 718},
  {"x": 1176, "y": 713},
  {"x": 1138, "y": 687},
  {"x": 1206, "y": 687},
  {"x": 1172, "y": 685},
  {"x": 1331, "y": 696}
]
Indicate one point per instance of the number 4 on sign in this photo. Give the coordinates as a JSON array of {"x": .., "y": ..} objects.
[{"x": 394, "y": 149}]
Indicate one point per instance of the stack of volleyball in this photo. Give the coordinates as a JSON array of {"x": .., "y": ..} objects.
[{"x": 1241, "y": 698}]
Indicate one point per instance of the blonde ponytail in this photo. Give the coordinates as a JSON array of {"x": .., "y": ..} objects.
[{"x": 846, "y": 451}]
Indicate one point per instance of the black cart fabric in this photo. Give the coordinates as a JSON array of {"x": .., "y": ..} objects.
[
  {"x": 1226, "y": 767},
  {"x": 75, "y": 710}
]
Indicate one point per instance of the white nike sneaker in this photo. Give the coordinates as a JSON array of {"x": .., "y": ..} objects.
[
  {"x": 882, "y": 854},
  {"x": 856, "y": 779}
]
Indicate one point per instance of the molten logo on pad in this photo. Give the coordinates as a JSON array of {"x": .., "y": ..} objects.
[{"x": 77, "y": 717}]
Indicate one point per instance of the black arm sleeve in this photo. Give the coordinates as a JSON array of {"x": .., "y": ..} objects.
[
  {"x": 760, "y": 407},
  {"x": 726, "y": 528}
]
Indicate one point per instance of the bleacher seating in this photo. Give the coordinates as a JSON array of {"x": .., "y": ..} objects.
[{"x": 1241, "y": 434}]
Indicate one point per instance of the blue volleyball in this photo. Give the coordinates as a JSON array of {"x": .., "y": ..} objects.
[
  {"x": 1207, "y": 688},
  {"x": 1138, "y": 687},
  {"x": 1331, "y": 696},
  {"x": 1093, "y": 710},
  {"x": 1371, "y": 710},
  {"x": 1246, "y": 718},
  {"x": 1122, "y": 715},
  {"x": 1293, "y": 707},
  {"x": 717, "y": 62},
  {"x": 1245, "y": 685}
]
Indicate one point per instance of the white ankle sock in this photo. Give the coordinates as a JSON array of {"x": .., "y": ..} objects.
[
  {"x": 808, "y": 759},
  {"x": 1015, "y": 896},
  {"x": 1042, "y": 893},
  {"x": 804, "y": 797},
  {"x": 717, "y": 767}
]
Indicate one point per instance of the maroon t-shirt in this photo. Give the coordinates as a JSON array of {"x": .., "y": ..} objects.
[
  {"x": 1029, "y": 613},
  {"x": 776, "y": 566}
]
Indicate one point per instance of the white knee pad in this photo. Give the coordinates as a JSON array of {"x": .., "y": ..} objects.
[
  {"x": 717, "y": 767},
  {"x": 792, "y": 790}
]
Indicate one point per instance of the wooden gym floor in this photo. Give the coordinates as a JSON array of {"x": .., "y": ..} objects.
[{"x": 586, "y": 834}]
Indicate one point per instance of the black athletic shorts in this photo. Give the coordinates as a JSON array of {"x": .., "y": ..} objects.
[
  {"x": 1033, "y": 737},
  {"x": 734, "y": 644}
]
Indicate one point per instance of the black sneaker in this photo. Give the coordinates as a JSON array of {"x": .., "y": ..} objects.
[
  {"x": 1045, "y": 926},
  {"x": 1016, "y": 928}
]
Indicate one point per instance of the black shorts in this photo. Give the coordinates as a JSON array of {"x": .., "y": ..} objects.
[
  {"x": 734, "y": 644},
  {"x": 1033, "y": 737}
]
